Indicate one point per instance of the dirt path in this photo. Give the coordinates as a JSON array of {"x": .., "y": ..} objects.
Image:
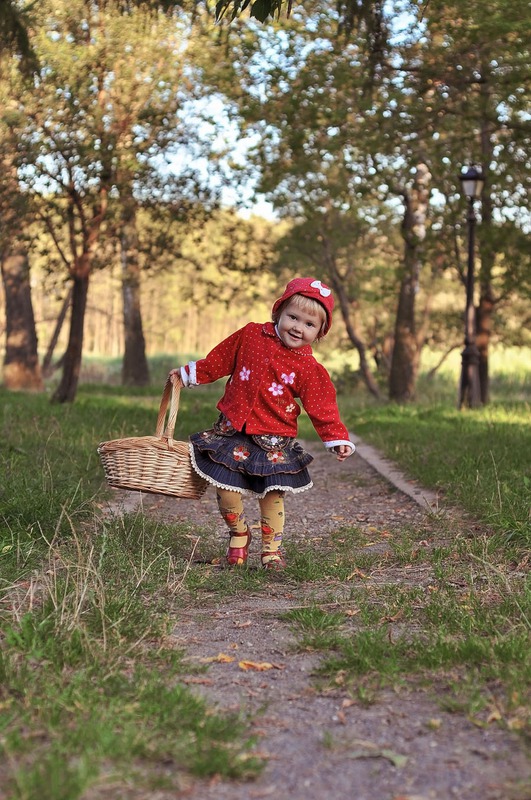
[{"x": 322, "y": 744}]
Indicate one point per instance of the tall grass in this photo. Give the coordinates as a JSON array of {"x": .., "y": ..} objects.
[{"x": 91, "y": 685}]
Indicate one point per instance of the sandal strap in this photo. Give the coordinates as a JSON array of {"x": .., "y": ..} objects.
[
  {"x": 236, "y": 556},
  {"x": 275, "y": 560}
]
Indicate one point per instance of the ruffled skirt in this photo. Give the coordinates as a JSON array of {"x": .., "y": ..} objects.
[{"x": 237, "y": 462}]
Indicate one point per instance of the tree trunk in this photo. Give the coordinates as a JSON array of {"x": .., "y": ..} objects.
[
  {"x": 135, "y": 370},
  {"x": 47, "y": 368},
  {"x": 406, "y": 350},
  {"x": 67, "y": 388},
  {"x": 21, "y": 362},
  {"x": 353, "y": 335}
]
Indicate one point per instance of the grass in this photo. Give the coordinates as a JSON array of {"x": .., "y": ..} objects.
[
  {"x": 478, "y": 460},
  {"x": 464, "y": 633},
  {"x": 92, "y": 689},
  {"x": 91, "y": 685}
]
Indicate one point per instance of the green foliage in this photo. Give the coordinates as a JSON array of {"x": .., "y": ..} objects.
[
  {"x": 259, "y": 9},
  {"x": 14, "y": 23},
  {"x": 341, "y": 128}
]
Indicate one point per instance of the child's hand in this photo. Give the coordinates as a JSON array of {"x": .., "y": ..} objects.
[
  {"x": 343, "y": 451},
  {"x": 175, "y": 377}
]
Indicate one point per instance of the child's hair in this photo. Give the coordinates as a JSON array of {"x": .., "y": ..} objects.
[{"x": 306, "y": 304}]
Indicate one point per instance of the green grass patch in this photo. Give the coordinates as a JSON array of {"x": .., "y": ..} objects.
[
  {"x": 466, "y": 630},
  {"x": 478, "y": 460},
  {"x": 98, "y": 726},
  {"x": 91, "y": 688}
]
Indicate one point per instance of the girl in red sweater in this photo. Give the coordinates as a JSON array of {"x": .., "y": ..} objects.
[{"x": 251, "y": 449}]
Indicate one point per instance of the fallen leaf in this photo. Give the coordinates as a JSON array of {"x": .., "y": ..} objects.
[
  {"x": 358, "y": 573},
  {"x": 394, "y": 617},
  {"x": 410, "y": 797},
  {"x": 396, "y": 759},
  {"x": 347, "y": 703},
  {"x": 494, "y": 716},
  {"x": 351, "y": 612},
  {"x": 221, "y": 658},
  {"x": 340, "y": 677},
  {"x": 260, "y": 666}
]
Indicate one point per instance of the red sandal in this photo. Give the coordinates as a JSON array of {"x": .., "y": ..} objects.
[
  {"x": 237, "y": 556},
  {"x": 276, "y": 561}
]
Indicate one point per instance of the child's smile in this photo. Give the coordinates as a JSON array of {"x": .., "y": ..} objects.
[{"x": 298, "y": 328}]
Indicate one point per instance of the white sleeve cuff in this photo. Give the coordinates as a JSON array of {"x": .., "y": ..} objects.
[
  {"x": 189, "y": 378},
  {"x": 339, "y": 442}
]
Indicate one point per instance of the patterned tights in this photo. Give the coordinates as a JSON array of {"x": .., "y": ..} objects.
[{"x": 230, "y": 505}]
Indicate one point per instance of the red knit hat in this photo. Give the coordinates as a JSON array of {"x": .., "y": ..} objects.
[{"x": 309, "y": 288}]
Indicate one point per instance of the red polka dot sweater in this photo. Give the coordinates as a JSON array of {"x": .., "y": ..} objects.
[{"x": 265, "y": 378}]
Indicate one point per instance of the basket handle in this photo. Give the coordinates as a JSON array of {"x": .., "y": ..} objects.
[{"x": 170, "y": 395}]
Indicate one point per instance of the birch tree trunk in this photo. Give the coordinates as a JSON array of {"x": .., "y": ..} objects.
[
  {"x": 406, "y": 350},
  {"x": 67, "y": 388}
]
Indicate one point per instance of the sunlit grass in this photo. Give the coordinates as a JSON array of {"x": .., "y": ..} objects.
[
  {"x": 478, "y": 459},
  {"x": 87, "y": 601}
]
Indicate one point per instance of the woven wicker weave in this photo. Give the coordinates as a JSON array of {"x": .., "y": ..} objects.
[{"x": 155, "y": 464}]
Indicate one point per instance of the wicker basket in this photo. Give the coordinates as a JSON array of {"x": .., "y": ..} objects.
[{"x": 155, "y": 464}]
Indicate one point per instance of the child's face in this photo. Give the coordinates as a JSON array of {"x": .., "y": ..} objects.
[{"x": 296, "y": 327}]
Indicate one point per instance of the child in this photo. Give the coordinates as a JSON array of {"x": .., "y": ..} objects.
[{"x": 251, "y": 448}]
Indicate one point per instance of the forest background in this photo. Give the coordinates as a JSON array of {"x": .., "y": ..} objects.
[{"x": 137, "y": 138}]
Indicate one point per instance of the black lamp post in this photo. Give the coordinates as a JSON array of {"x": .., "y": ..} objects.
[{"x": 469, "y": 389}]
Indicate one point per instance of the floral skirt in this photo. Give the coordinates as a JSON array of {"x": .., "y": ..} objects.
[{"x": 250, "y": 464}]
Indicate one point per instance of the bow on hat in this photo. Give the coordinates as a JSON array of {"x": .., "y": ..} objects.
[{"x": 324, "y": 291}]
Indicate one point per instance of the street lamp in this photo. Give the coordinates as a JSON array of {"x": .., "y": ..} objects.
[{"x": 469, "y": 389}]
